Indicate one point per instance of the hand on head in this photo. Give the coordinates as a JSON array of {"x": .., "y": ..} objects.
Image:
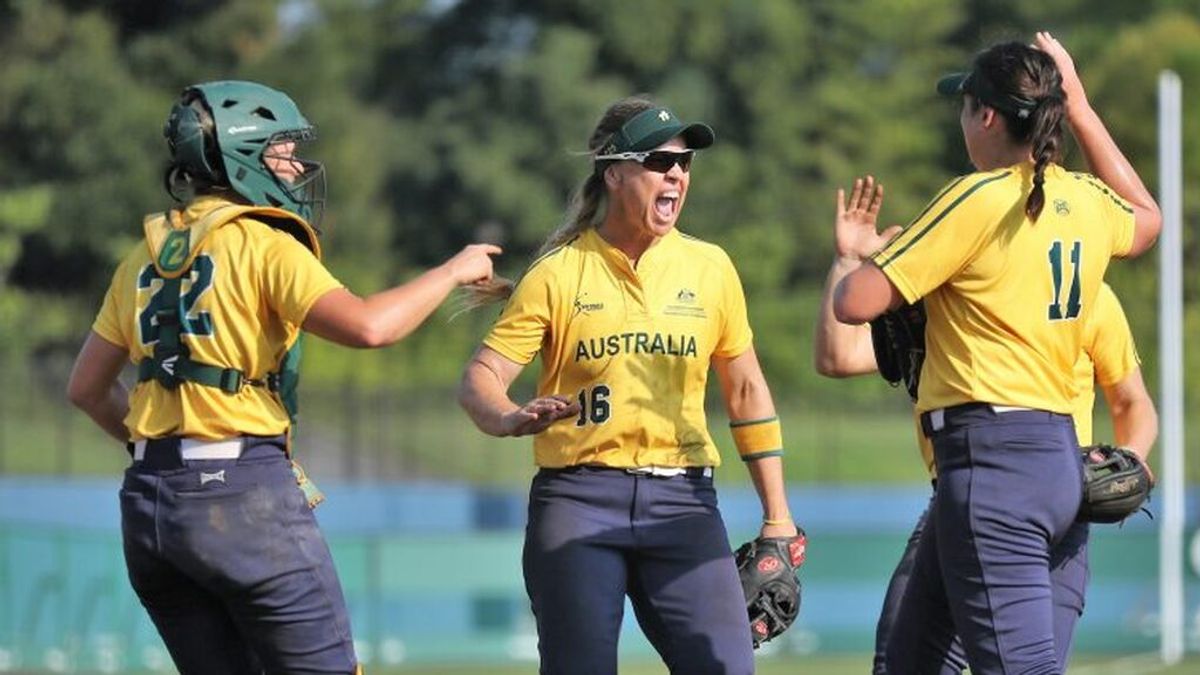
[
  {"x": 854, "y": 226},
  {"x": 1071, "y": 84}
]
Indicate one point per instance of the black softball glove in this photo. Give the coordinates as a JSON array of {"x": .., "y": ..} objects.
[
  {"x": 898, "y": 337},
  {"x": 1115, "y": 484},
  {"x": 767, "y": 568}
]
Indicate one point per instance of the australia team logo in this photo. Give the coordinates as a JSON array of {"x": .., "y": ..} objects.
[{"x": 685, "y": 303}]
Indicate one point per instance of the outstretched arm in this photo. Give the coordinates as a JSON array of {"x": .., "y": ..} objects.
[
  {"x": 1103, "y": 156},
  {"x": 839, "y": 349},
  {"x": 387, "y": 317}
]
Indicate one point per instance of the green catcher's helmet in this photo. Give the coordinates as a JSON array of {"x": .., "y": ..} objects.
[{"x": 249, "y": 122}]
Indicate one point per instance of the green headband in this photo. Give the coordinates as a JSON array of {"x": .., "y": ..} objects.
[
  {"x": 975, "y": 84},
  {"x": 651, "y": 128}
]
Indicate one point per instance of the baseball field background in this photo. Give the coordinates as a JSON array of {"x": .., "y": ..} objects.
[{"x": 443, "y": 122}]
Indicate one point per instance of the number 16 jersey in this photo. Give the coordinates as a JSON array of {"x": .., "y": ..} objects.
[{"x": 632, "y": 346}]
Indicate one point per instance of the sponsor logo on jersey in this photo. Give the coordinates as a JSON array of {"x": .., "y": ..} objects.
[
  {"x": 1061, "y": 207},
  {"x": 582, "y": 307},
  {"x": 635, "y": 343},
  {"x": 168, "y": 364},
  {"x": 206, "y": 478}
]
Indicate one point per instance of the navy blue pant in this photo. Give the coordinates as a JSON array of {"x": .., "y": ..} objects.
[
  {"x": 226, "y": 557},
  {"x": 597, "y": 535},
  {"x": 1003, "y": 515},
  {"x": 1068, "y": 578}
]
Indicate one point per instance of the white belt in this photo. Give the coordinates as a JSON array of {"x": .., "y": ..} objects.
[
  {"x": 667, "y": 471},
  {"x": 937, "y": 418},
  {"x": 191, "y": 448}
]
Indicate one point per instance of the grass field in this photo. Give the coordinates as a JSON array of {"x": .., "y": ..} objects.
[{"x": 834, "y": 665}]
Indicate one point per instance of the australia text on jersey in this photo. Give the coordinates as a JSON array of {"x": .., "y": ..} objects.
[{"x": 635, "y": 343}]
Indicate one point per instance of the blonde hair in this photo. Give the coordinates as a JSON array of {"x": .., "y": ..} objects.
[{"x": 586, "y": 207}]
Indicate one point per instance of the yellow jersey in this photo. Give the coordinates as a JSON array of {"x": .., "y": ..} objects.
[
  {"x": 242, "y": 302},
  {"x": 1007, "y": 298},
  {"x": 631, "y": 345},
  {"x": 1109, "y": 355}
]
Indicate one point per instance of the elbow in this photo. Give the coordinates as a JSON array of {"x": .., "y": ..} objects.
[
  {"x": 829, "y": 366},
  {"x": 463, "y": 394},
  {"x": 846, "y": 313},
  {"x": 80, "y": 395},
  {"x": 370, "y": 334}
]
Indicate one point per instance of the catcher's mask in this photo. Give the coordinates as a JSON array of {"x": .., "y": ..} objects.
[{"x": 225, "y": 133}]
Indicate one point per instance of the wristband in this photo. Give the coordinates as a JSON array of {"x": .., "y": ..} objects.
[{"x": 756, "y": 439}]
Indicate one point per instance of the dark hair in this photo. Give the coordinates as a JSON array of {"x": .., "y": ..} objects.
[
  {"x": 586, "y": 207},
  {"x": 183, "y": 184},
  {"x": 1017, "y": 70}
]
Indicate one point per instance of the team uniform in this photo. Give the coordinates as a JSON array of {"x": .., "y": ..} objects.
[
  {"x": 224, "y": 552},
  {"x": 624, "y": 502},
  {"x": 1008, "y": 301},
  {"x": 1109, "y": 356}
]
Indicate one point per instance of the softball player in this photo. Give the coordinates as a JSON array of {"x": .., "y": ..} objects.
[
  {"x": 220, "y": 540},
  {"x": 1109, "y": 359},
  {"x": 628, "y": 314},
  {"x": 1009, "y": 261}
]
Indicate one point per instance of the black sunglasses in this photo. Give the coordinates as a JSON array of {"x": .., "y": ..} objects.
[{"x": 659, "y": 161}]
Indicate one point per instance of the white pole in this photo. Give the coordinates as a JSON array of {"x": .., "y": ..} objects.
[{"x": 1170, "y": 350}]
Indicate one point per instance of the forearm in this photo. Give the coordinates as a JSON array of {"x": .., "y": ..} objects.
[
  {"x": 396, "y": 312},
  {"x": 484, "y": 397},
  {"x": 1135, "y": 425},
  {"x": 767, "y": 475},
  {"x": 1104, "y": 157},
  {"x": 839, "y": 349},
  {"x": 108, "y": 409}
]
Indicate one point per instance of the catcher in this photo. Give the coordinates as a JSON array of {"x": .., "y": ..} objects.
[{"x": 893, "y": 345}]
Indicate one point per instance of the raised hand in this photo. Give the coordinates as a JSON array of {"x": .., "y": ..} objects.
[
  {"x": 538, "y": 414},
  {"x": 1071, "y": 84},
  {"x": 855, "y": 236},
  {"x": 473, "y": 264}
]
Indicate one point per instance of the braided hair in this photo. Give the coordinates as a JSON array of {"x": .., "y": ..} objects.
[{"x": 1023, "y": 73}]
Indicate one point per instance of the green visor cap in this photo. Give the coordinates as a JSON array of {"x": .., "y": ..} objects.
[
  {"x": 957, "y": 84},
  {"x": 651, "y": 128}
]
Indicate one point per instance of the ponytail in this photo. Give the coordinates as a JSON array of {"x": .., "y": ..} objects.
[
  {"x": 585, "y": 210},
  {"x": 1047, "y": 141},
  {"x": 1020, "y": 74}
]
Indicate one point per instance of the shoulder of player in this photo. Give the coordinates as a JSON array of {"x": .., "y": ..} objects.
[
  {"x": 549, "y": 263},
  {"x": 982, "y": 189},
  {"x": 710, "y": 252},
  {"x": 1091, "y": 183}
]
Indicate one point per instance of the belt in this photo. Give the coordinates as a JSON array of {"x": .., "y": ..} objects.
[
  {"x": 672, "y": 471},
  {"x": 191, "y": 448},
  {"x": 933, "y": 421}
]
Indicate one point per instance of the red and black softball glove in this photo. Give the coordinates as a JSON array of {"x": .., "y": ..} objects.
[{"x": 767, "y": 567}]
